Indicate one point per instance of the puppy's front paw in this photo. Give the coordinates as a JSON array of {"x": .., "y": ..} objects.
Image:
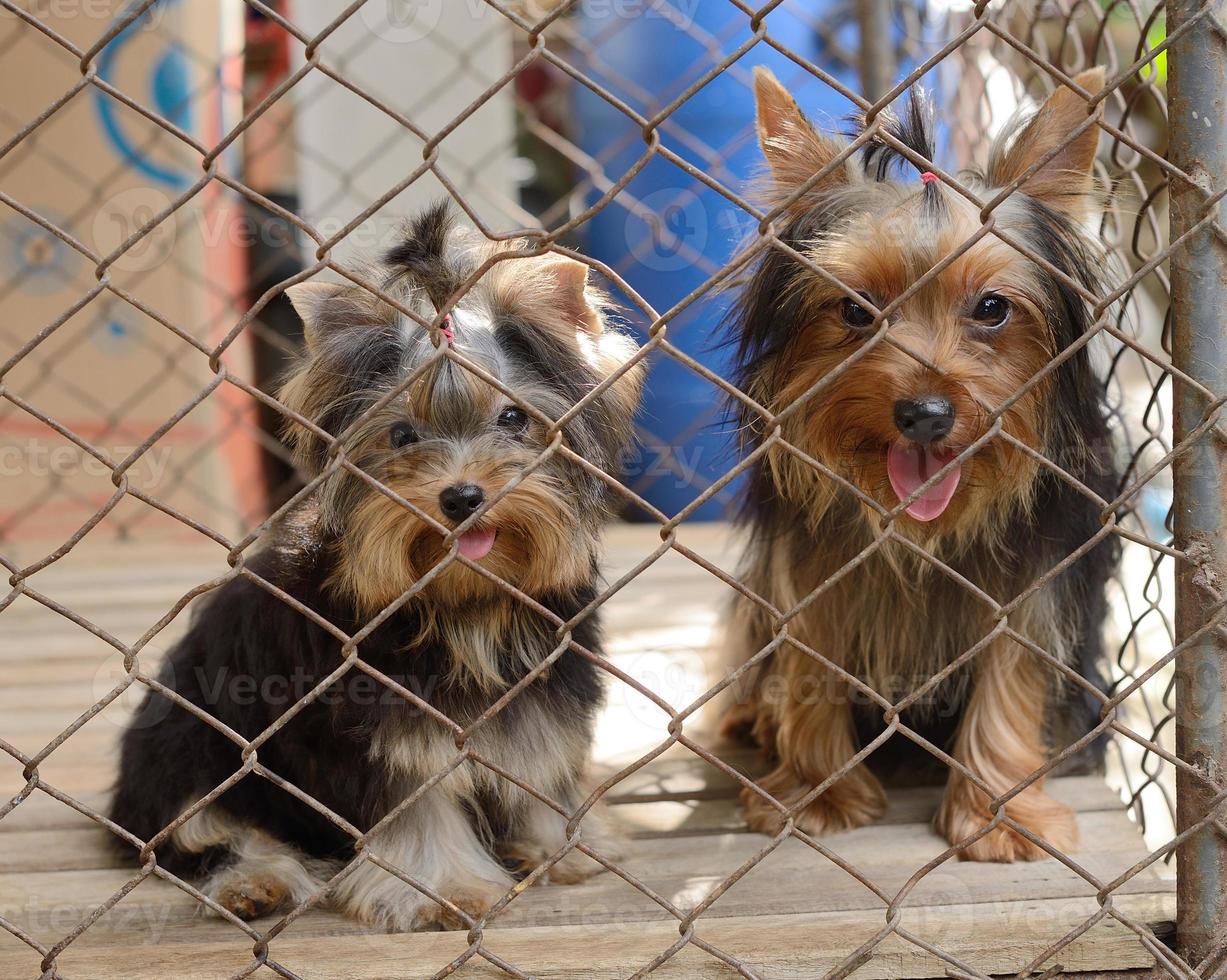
[
  {"x": 521, "y": 858},
  {"x": 739, "y": 722},
  {"x": 853, "y": 801},
  {"x": 472, "y": 898},
  {"x": 962, "y": 814},
  {"x": 542, "y": 834},
  {"x": 250, "y": 896}
]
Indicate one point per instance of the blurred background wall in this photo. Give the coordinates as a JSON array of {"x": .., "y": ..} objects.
[{"x": 524, "y": 138}]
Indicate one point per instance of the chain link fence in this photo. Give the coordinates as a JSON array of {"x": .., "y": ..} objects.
[{"x": 243, "y": 148}]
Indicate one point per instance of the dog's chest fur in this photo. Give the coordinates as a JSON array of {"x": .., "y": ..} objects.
[
  {"x": 893, "y": 619},
  {"x": 526, "y": 739}
]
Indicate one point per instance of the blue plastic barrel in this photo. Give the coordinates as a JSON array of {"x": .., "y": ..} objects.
[{"x": 648, "y": 60}]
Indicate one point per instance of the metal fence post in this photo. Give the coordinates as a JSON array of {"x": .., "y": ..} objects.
[{"x": 1197, "y": 90}]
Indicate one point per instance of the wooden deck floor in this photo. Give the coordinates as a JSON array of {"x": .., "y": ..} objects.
[{"x": 795, "y": 915}]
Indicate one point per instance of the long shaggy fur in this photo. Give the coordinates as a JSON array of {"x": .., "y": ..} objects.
[
  {"x": 878, "y": 608},
  {"x": 368, "y": 556}
]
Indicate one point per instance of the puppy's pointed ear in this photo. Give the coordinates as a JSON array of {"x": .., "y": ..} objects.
[
  {"x": 1065, "y": 181},
  {"x": 309, "y": 300},
  {"x": 583, "y": 308},
  {"x": 567, "y": 280},
  {"x": 794, "y": 149}
]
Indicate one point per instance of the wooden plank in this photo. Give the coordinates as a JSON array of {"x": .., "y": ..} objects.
[
  {"x": 141, "y": 605},
  {"x": 640, "y": 812},
  {"x": 47, "y": 633},
  {"x": 92, "y": 747},
  {"x": 70, "y": 691},
  {"x": 43, "y": 812},
  {"x": 155, "y": 909},
  {"x": 998, "y": 939},
  {"x": 666, "y": 778},
  {"x": 38, "y": 726},
  {"x": 80, "y": 848},
  {"x": 679, "y": 774},
  {"x": 85, "y": 845},
  {"x": 793, "y": 879},
  {"x": 721, "y": 813},
  {"x": 77, "y": 779}
]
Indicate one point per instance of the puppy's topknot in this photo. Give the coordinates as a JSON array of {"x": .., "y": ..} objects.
[
  {"x": 422, "y": 256},
  {"x": 914, "y": 129}
]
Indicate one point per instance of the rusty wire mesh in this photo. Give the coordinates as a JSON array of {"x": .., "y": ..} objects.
[{"x": 203, "y": 360}]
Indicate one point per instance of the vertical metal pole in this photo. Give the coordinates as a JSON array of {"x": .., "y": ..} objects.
[
  {"x": 877, "y": 54},
  {"x": 1197, "y": 92}
]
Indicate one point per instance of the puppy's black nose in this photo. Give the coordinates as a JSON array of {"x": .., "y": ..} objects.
[
  {"x": 924, "y": 419},
  {"x": 460, "y": 501}
]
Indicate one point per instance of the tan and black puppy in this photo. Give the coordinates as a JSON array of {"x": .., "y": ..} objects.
[
  {"x": 368, "y": 558},
  {"x": 973, "y": 418}
]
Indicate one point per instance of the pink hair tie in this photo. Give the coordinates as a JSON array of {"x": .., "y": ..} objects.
[
  {"x": 928, "y": 177},
  {"x": 446, "y": 329}
]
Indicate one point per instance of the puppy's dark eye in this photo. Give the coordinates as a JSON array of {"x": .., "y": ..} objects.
[
  {"x": 991, "y": 310},
  {"x": 854, "y": 315},
  {"x": 402, "y": 434},
  {"x": 513, "y": 420}
]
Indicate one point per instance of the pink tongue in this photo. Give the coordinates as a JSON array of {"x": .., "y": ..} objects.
[
  {"x": 909, "y": 465},
  {"x": 476, "y": 544}
]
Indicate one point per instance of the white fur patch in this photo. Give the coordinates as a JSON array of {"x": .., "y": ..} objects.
[{"x": 434, "y": 843}]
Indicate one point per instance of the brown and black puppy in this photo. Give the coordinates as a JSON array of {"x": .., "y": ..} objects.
[
  {"x": 392, "y": 563},
  {"x": 966, "y": 427}
]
